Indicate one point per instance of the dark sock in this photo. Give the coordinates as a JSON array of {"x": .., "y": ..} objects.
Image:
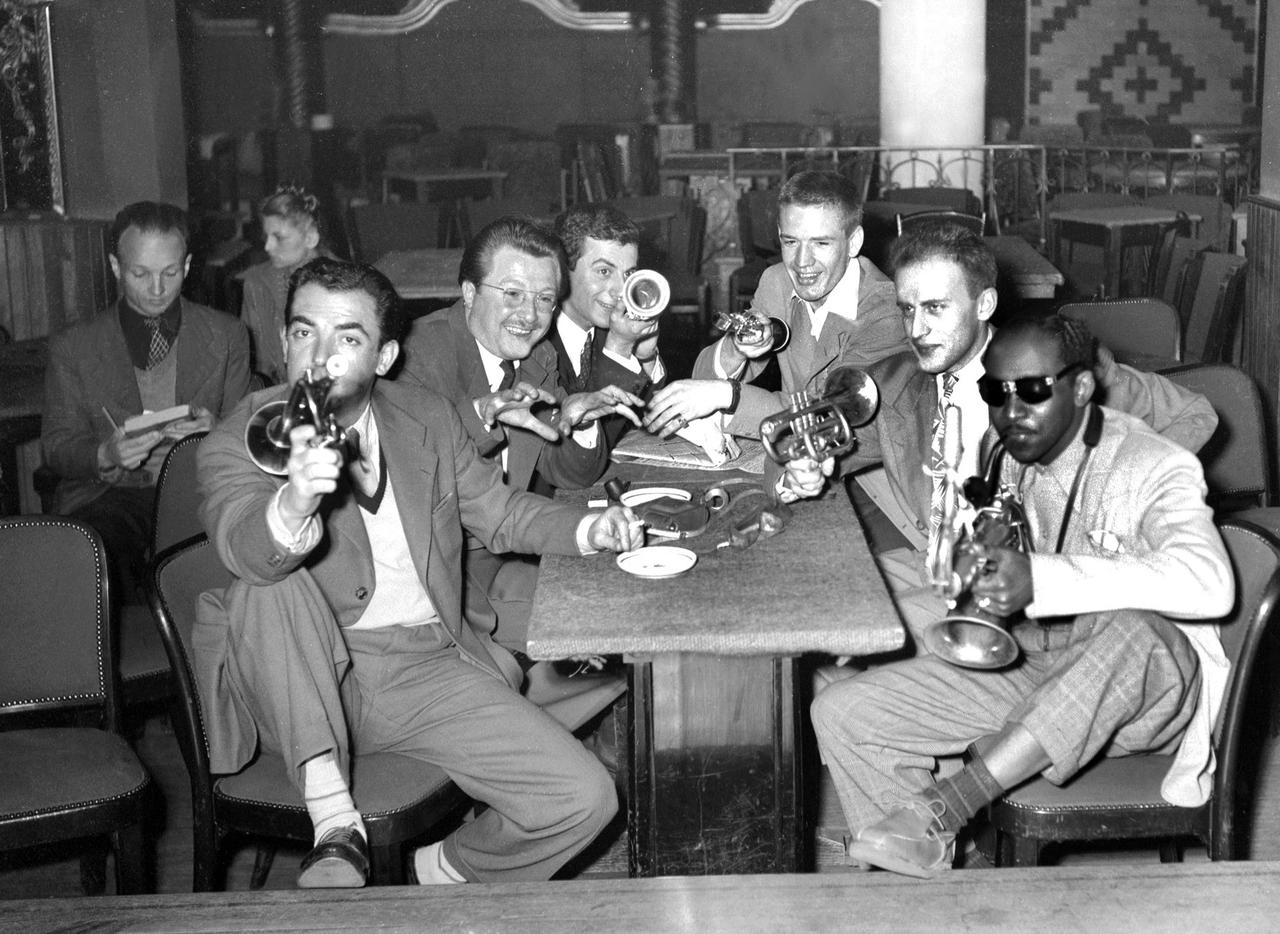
[{"x": 964, "y": 794}]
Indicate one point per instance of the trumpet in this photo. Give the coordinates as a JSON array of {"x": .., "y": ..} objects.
[
  {"x": 821, "y": 426},
  {"x": 645, "y": 294},
  {"x": 266, "y": 437},
  {"x": 970, "y": 636},
  {"x": 751, "y": 329}
]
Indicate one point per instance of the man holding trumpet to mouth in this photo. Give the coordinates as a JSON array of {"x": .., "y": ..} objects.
[{"x": 344, "y": 626}]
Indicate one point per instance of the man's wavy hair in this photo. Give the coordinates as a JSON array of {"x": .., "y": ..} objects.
[
  {"x": 599, "y": 222},
  {"x": 336, "y": 275},
  {"x": 521, "y": 233},
  {"x": 942, "y": 239}
]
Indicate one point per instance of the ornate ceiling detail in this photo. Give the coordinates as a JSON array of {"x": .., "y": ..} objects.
[{"x": 417, "y": 13}]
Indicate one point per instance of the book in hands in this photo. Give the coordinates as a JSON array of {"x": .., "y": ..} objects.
[{"x": 155, "y": 421}]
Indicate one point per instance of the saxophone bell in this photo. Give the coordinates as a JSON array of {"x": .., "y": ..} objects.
[
  {"x": 266, "y": 436},
  {"x": 970, "y": 636}
]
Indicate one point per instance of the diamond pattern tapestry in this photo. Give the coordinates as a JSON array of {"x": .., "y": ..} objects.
[{"x": 1180, "y": 61}]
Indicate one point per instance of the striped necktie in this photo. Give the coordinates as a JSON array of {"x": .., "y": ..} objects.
[
  {"x": 159, "y": 344},
  {"x": 937, "y": 456}
]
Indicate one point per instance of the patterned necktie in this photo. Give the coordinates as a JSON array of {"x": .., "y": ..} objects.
[
  {"x": 159, "y": 345},
  {"x": 937, "y": 458},
  {"x": 584, "y": 362},
  {"x": 508, "y": 375}
]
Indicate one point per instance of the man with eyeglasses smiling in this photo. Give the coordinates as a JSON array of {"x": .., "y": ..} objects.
[
  {"x": 1125, "y": 562},
  {"x": 487, "y": 355}
]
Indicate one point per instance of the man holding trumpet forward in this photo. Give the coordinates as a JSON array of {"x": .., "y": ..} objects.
[{"x": 344, "y": 629}]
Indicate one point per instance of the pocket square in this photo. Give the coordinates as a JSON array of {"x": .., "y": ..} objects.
[{"x": 1108, "y": 541}]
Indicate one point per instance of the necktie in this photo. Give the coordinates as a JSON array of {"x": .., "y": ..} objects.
[
  {"x": 508, "y": 375},
  {"x": 584, "y": 362},
  {"x": 937, "y": 460},
  {"x": 367, "y": 482},
  {"x": 159, "y": 345}
]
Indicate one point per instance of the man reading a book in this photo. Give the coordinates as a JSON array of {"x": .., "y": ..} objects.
[{"x": 151, "y": 351}]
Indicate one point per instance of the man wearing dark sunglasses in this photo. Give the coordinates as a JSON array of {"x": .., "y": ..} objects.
[
  {"x": 945, "y": 278},
  {"x": 1124, "y": 545}
]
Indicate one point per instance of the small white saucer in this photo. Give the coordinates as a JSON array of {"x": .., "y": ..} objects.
[
  {"x": 648, "y": 494},
  {"x": 657, "y": 562}
]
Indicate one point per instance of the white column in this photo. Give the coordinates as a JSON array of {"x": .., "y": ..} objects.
[{"x": 932, "y": 90}]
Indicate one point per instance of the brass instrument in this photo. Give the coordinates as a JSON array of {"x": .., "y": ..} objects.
[
  {"x": 970, "y": 636},
  {"x": 819, "y": 427},
  {"x": 646, "y": 294},
  {"x": 750, "y": 329},
  {"x": 266, "y": 437}
]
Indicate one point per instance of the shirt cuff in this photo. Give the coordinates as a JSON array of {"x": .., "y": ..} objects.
[
  {"x": 583, "y": 534},
  {"x": 718, "y": 368},
  {"x": 630, "y": 362},
  {"x": 306, "y": 538}
]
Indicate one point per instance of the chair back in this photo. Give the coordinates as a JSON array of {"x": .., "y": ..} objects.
[
  {"x": 1134, "y": 329},
  {"x": 1212, "y": 297},
  {"x": 758, "y": 224},
  {"x": 961, "y": 200},
  {"x": 1182, "y": 251},
  {"x": 479, "y": 214},
  {"x": 58, "y": 642},
  {"x": 376, "y": 229},
  {"x": 975, "y": 223},
  {"x": 1159, "y": 266},
  {"x": 1236, "y": 466},
  {"x": 176, "y": 517},
  {"x": 1214, "y": 213},
  {"x": 182, "y": 573},
  {"x": 1255, "y": 559}
]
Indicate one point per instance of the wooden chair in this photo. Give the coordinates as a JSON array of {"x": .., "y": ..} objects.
[
  {"x": 1143, "y": 332},
  {"x": 1212, "y": 303},
  {"x": 1119, "y": 798},
  {"x": 401, "y": 799},
  {"x": 64, "y": 782},
  {"x": 374, "y": 230},
  {"x": 1164, "y": 277},
  {"x": 1214, "y": 213}
]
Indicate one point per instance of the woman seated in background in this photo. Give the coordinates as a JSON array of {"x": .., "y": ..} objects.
[{"x": 291, "y": 225}]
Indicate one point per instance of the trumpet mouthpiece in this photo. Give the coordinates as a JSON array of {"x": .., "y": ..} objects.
[
  {"x": 646, "y": 293},
  {"x": 336, "y": 366}
]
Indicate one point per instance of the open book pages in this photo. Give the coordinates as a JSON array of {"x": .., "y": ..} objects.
[{"x": 641, "y": 447}]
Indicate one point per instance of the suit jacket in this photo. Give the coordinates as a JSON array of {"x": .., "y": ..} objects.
[
  {"x": 90, "y": 370},
  {"x": 1140, "y": 537},
  {"x": 441, "y": 355},
  {"x": 902, "y": 431},
  {"x": 605, "y": 371},
  {"x": 876, "y": 333},
  {"x": 444, "y": 489}
]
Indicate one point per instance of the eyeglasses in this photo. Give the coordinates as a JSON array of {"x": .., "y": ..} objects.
[
  {"x": 514, "y": 298},
  {"x": 1030, "y": 389}
]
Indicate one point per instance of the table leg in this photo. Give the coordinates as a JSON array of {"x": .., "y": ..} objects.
[{"x": 715, "y": 770}]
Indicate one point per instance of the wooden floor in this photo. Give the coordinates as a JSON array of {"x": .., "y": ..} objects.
[{"x": 54, "y": 872}]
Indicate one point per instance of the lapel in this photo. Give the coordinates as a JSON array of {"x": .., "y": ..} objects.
[
  {"x": 412, "y": 465},
  {"x": 115, "y": 369},
  {"x": 908, "y": 440},
  {"x": 195, "y": 361},
  {"x": 563, "y": 367}
]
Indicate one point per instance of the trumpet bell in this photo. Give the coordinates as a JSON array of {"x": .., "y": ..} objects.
[
  {"x": 972, "y": 640},
  {"x": 855, "y": 392},
  {"x": 646, "y": 294},
  {"x": 264, "y": 441}
]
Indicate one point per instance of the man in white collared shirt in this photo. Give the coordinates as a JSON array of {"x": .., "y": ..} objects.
[
  {"x": 597, "y": 343},
  {"x": 344, "y": 625},
  {"x": 839, "y": 307}
]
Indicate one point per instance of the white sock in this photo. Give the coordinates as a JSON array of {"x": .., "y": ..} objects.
[
  {"x": 432, "y": 868},
  {"x": 327, "y": 796}
]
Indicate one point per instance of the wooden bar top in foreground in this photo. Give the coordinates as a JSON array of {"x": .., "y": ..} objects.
[{"x": 1101, "y": 898}]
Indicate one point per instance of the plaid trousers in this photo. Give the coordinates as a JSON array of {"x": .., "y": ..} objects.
[{"x": 1115, "y": 683}]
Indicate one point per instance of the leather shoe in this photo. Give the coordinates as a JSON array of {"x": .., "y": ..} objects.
[
  {"x": 339, "y": 861},
  {"x": 911, "y": 840}
]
